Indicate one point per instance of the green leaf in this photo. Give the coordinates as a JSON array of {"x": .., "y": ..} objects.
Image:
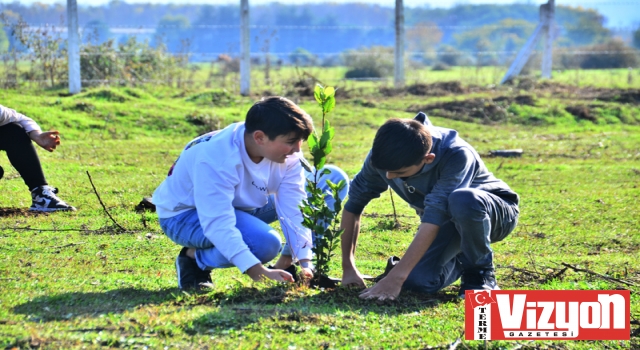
[
  {"x": 305, "y": 164},
  {"x": 329, "y": 104},
  {"x": 317, "y": 154},
  {"x": 312, "y": 141},
  {"x": 329, "y": 91},
  {"x": 317, "y": 92},
  {"x": 328, "y": 148},
  {"x": 321, "y": 162},
  {"x": 326, "y": 172},
  {"x": 328, "y": 129},
  {"x": 324, "y": 139}
]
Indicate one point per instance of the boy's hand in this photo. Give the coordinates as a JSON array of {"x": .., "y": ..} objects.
[
  {"x": 279, "y": 275},
  {"x": 386, "y": 289},
  {"x": 306, "y": 273},
  {"x": 257, "y": 273},
  {"x": 352, "y": 278},
  {"x": 48, "y": 140}
]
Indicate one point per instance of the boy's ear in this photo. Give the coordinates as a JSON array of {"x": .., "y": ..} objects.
[
  {"x": 259, "y": 137},
  {"x": 429, "y": 157}
]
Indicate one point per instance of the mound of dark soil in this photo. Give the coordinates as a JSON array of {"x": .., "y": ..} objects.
[
  {"x": 486, "y": 109},
  {"x": 436, "y": 89},
  {"x": 581, "y": 112},
  {"x": 621, "y": 96}
]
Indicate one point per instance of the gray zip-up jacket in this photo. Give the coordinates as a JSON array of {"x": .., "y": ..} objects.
[{"x": 456, "y": 165}]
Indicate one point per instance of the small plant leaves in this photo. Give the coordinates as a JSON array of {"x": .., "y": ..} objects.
[
  {"x": 317, "y": 92},
  {"x": 329, "y": 91},
  {"x": 329, "y": 104},
  {"x": 305, "y": 164}
]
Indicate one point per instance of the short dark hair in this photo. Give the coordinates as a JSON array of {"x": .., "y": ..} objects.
[
  {"x": 400, "y": 143},
  {"x": 277, "y": 116}
]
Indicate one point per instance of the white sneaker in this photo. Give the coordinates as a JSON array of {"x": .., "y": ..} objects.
[{"x": 44, "y": 199}]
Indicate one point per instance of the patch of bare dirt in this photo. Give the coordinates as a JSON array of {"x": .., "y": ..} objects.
[
  {"x": 489, "y": 110},
  {"x": 631, "y": 96},
  {"x": 620, "y": 96},
  {"x": 436, "y": 89},
  {"x": 582, "y": 112}
]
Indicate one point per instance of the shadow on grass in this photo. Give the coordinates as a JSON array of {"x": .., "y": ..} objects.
[
  {"x": 7, "y": 212},
  {"x": 299, "y": 307},
  {"x": 70, "y": 305}
]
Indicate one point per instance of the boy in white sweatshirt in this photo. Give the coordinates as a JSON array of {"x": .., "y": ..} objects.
[{"x": 227, "y": 185}]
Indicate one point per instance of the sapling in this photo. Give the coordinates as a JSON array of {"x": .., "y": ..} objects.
[{"x": 318, "y": 217}]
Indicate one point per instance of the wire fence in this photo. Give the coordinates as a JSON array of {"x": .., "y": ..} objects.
[{"x": 172, "y": 54}]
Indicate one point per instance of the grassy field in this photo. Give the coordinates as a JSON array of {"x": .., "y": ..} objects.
[{"x": 74, "y": 280}]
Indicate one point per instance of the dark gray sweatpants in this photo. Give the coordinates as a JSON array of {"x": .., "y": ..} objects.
[{"x": 478, "y": 218}]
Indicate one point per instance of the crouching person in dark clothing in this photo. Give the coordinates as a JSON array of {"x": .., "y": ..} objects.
[
  {"x": 16, "y": 133},
  {"x": 463, "y": 208}
]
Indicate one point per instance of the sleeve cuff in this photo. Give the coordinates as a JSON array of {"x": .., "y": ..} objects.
[
  {"x": 244, "y": 260},
  {"x": 352, "y": 207},
  {"x": 304, "y": 253},
  {"x": 430, "y": 218}
]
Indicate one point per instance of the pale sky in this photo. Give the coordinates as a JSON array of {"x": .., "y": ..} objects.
[
  {"x": 619, "y": 13},
  {"x": 390, "y": 3}
]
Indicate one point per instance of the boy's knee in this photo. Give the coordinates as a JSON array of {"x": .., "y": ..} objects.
[
  {"x": 268, "y": 248},
  {"x": 424, "y": 286},
  {"x": 463, "y": 203},
  {"x": 16, "y": 134}
]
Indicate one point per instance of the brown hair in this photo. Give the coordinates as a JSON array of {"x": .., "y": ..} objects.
[
  {"x": 400, "y": 143},
  {"x": 276, "y": 116}
]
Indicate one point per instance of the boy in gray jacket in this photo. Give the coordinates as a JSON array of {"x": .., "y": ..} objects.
[{"x": 463, "y": 208}]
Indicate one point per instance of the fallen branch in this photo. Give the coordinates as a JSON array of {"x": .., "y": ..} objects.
[
  {"x": 122, "y": 229},
  {"x": 575, "y": 268},
  {"x": 48, "y": 230},
  {"x": 67, "y": 245},
  {"x": 396, "y": 223},
  {"x": 518, "y": 269}
]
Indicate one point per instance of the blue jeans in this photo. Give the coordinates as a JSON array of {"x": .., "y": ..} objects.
[
  {"x": 478, "y": 218},
  {"x": 263, "y": 241}
]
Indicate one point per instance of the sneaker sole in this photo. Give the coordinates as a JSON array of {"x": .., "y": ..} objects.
[
  {"x": 461, "y": 296},
  {"x": 48, "y": 210}
]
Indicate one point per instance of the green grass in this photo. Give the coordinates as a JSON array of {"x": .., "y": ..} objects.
[{"x": 72, "y": 280}]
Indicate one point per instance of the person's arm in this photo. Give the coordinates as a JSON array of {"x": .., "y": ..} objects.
[
  {"x": 389, "y": 287},
  {"x": 8, "y": 115},
  {"x": 366, "y": 185},
  {"x": 213, "y": 194},
  {"x": 288, "y": 198},
  {"x": 350, "y": 223},
  {"x": 48, "y": 140}
]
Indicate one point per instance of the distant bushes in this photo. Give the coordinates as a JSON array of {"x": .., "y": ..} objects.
[
  {"x": 373, "y": 62},
  {"x": 609, "y": 55}
]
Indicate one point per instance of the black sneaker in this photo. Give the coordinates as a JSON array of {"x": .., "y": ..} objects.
[
  {"x": 478, "y": 279},
  {"x": 44, "y": 199},
  {"x": 1, "y": 172},
  {"x": 391, "y": 263},
  {"x": 190, "y": 276}
]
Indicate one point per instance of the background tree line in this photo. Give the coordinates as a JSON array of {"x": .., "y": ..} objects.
[{"x": 332, "y": 34}]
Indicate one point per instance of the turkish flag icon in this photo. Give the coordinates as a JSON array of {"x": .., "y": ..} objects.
[{"x": 479, "y": 298}]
